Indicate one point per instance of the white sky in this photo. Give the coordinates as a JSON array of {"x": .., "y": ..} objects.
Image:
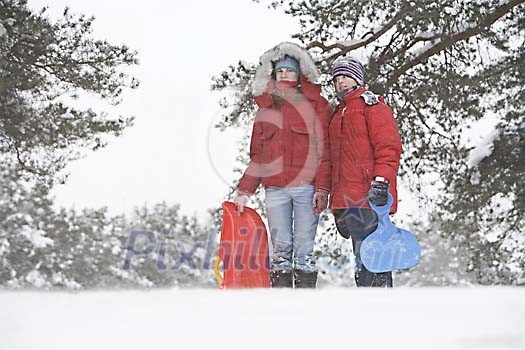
[{"x": 181, "y": 45}]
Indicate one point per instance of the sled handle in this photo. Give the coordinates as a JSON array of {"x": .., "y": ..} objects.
[
  {"x": 218, "y": 276},
  {"x": 383, "y": 209}
]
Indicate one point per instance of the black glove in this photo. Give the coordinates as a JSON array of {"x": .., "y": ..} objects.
[{"x": 378, "y": 193}]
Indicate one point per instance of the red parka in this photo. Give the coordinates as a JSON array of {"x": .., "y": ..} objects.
[
  {"x": 289, "y": 144},
  {"x": 364, "y": 143}
]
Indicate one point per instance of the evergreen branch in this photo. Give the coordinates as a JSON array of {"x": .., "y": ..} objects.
[
  {"x": 504, "y": 236},
  {"x": 23, "y": 164},
  {"x": 449, "y": 40},
  {"x": 387, "y": 57},
  {"x": 360, "y": 43},
  {"x": 422, "y": 118}
]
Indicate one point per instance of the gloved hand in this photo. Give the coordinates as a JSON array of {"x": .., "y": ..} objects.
[
  {"x": 320, "y": 201},
  {"x": 378, "y": 193},
  {"x": 241, "y": 200}
]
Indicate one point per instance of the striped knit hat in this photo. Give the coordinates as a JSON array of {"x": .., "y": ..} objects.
[{"x": 351, "y": 67}]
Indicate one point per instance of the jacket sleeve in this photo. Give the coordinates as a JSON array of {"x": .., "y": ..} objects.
[
  {"x": 384, "y": 135},
  {"x": 323, "y": 177},
  {"x": 252, "y": 176}
]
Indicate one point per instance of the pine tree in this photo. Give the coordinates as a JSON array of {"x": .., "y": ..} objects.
[
  {"x": 44, "y": 65},
  {"x": 184, "y": 250},
  {"x": 43, "y": 248},
  {"x": 441, "y": 66}
]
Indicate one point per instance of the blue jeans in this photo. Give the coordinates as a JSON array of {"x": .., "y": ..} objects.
[{"x": 293, "y": 225}]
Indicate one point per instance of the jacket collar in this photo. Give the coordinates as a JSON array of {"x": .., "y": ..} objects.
[
  {"x": 354, "y": 94},
  {"x": 309, "y": 90}
]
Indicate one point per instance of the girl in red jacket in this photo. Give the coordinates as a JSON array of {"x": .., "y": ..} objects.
[
  {"x": 365, "y": 150},
  {"x": 289, "y": 156}
]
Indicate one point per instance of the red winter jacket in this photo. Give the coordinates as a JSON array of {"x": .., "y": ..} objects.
[
  {"x": 364, "y": 143},
  {"x": 289, "y": 145}
]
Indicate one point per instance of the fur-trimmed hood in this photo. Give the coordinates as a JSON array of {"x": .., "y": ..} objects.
[{"x": 264, "y": 72}]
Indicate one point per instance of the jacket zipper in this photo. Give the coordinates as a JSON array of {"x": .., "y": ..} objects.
[{"x": 340, "y": 144}]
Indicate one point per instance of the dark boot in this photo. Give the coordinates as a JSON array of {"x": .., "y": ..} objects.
[
  {"x": 358, "y": 223},
  {"x": 365, "y": 278},
  {"x": 305, "y": 279},
  {"x": 281, "y": 279}
]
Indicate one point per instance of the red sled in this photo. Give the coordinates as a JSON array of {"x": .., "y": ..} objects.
[{"x": 243, "y": 250}]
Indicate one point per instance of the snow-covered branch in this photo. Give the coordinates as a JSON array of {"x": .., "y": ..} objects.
[
  {"x": 445, "y": 41},
  {"x": 345, "y": 47}
]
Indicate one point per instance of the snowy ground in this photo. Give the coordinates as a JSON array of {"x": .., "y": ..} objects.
[{"x": 419, "y": 318}]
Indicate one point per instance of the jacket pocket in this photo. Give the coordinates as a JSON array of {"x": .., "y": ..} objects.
[
  {"x": 299, "y": 144},
  {"x": 266, "y": 132},
  {"x": 264, "y": 137}
]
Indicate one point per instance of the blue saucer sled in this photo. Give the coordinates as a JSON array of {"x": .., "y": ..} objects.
[{"x": 389, "y": 248}]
